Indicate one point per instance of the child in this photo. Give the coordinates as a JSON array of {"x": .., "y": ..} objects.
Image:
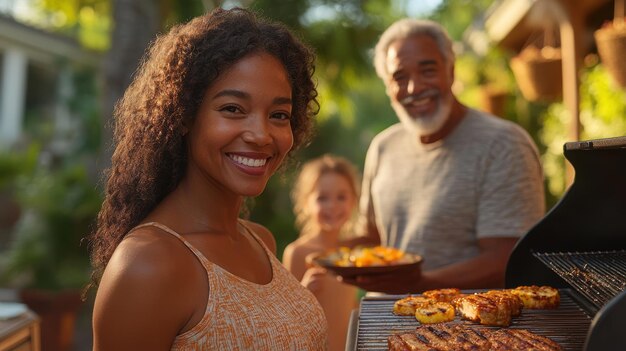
[{"x": 325, "y": 196}]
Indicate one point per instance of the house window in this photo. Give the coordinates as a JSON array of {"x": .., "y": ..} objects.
[{"x": 40, "y": 104}]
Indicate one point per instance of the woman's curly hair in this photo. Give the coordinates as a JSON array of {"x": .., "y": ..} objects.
[{"x": 150, "y": 154}]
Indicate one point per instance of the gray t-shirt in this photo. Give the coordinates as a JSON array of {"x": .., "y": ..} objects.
[{"x": 483, "y": 180}]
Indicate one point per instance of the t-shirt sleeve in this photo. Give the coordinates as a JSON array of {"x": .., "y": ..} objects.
[{"x": 511, "y": 198}]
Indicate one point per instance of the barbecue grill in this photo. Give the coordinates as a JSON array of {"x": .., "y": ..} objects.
[{"x": 579, "y": 247}]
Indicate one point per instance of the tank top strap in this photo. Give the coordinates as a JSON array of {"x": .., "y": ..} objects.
[
  {"x": 256, "y": 237},
  {"x": 205, "y": 262}
]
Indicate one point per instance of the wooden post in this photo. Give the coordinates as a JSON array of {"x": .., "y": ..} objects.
[{"x": 571, "y": 30}]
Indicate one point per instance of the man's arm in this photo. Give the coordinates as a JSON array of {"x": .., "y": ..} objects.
[{"x": 483, "y": 271}]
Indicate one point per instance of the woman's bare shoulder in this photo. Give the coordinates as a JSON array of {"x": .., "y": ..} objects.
[
  {"x": 147, "y": 283},
  {"x": 151, "y": 259}
]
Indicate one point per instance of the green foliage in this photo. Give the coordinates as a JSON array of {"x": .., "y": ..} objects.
[
  {"x": 45, "y": 250},
  {"x": 457, "y": 15},
  {"x": 57, "y": 200},
  {"x": 602, "y": 115},
  {"x": 16, "y": 165},
  {"x": 85, "y": 107},
  {"x": 89, "y": 21},
  {"x": 179, "y": 11},
  {"x": 288, "y": 12},
  {"x": 94, "y": 24}
]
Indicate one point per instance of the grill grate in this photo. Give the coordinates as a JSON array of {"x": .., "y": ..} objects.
[
  {"x": 567, "y": 325},
  {"x": 599, "y": 276}
]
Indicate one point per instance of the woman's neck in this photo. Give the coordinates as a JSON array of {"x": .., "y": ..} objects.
[{"x": 194, "y": 209}]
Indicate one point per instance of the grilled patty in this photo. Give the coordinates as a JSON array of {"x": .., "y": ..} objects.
[
  {"x": 520, "y": 339},
  {"x": 434, "y": 312},
  {"x": 493, "y": 308},
  {"x": 446, "y": 337},
  {"x": 440, "y": 337},
  {"x": 443, "y": 295},
  {"x": 408, "y": 305},
  {"x": 538, "y": 297}
]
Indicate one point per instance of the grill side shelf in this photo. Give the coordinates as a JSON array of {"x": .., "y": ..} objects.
[
  {"x": 606, "y": 143},
  {"x": 599, "y": 276}
]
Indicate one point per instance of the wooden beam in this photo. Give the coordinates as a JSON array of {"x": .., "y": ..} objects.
[{"x": 571, "y": 28}]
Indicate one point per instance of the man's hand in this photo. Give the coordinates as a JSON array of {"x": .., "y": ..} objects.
[{"x": 399, "y": 281}]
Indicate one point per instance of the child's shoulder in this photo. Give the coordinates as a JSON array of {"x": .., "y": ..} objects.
[{"x": 304, "y": 245}]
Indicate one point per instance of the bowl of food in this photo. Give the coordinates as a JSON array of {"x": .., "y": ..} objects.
[{"x": 366, "y": 260}]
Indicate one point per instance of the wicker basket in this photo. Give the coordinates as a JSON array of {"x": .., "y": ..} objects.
[
  {"x": 538, "y": 77},
  {"x": 493, "y": 100},
  {"x": 611, "y": 44}
]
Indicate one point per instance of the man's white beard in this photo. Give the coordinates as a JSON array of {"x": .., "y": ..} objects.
[{"x": 425, "y": 124}]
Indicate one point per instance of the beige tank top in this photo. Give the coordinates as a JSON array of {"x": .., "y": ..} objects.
[{"x": 242, "y": 315}]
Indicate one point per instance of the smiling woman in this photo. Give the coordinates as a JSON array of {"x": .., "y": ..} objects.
[{"x": 217, "y": 105}]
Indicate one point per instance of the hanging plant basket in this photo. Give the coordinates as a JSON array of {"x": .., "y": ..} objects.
[
  {"x": 611, "y": 42},
  {"x": 493, "y": 100},
  {"x": 538, "y": 73}
]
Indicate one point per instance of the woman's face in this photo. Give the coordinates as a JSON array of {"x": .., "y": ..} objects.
[
  {"x": 331, "y": 202},
  {"x": 242, "y": 131}
]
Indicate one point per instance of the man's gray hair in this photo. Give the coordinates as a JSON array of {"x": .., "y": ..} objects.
[{"x": 406, "y": 28}]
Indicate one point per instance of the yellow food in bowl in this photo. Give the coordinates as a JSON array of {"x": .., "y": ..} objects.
[{"x": 370, "y": 256}]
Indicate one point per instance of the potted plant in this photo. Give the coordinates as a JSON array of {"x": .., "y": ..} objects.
[
  {"x": 538, "y": 73},
  {"x": 44, "y": 259},
  {"x": 611, "y": 42}
]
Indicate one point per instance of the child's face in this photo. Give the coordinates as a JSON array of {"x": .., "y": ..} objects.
[
  {"x": 242, "y": 131},
  {"x": 332, "y": 201}
]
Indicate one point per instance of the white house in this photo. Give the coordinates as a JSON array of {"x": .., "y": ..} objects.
[{"x": 36, "y": 78}]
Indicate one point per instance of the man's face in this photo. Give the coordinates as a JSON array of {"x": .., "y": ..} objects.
[{"x": 419, "y": 83}]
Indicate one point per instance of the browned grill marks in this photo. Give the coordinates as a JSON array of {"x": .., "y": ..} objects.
[{"x": 460, "y": 338}]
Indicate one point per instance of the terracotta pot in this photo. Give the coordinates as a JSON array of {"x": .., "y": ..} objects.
[
  {"x": 58, "y": 312},
  {"x": 538, "y": 75},
  {"x": 493, "y": 101},
  {"x": 611, "y": 44}
]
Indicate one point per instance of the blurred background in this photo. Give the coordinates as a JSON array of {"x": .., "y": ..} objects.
[{"x": 553, "y": 66}]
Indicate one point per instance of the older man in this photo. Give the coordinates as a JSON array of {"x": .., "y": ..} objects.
[{"x": 448, "y": 182}]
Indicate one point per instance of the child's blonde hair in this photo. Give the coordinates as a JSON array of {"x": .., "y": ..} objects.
[{"x": 307, "y": 180}]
